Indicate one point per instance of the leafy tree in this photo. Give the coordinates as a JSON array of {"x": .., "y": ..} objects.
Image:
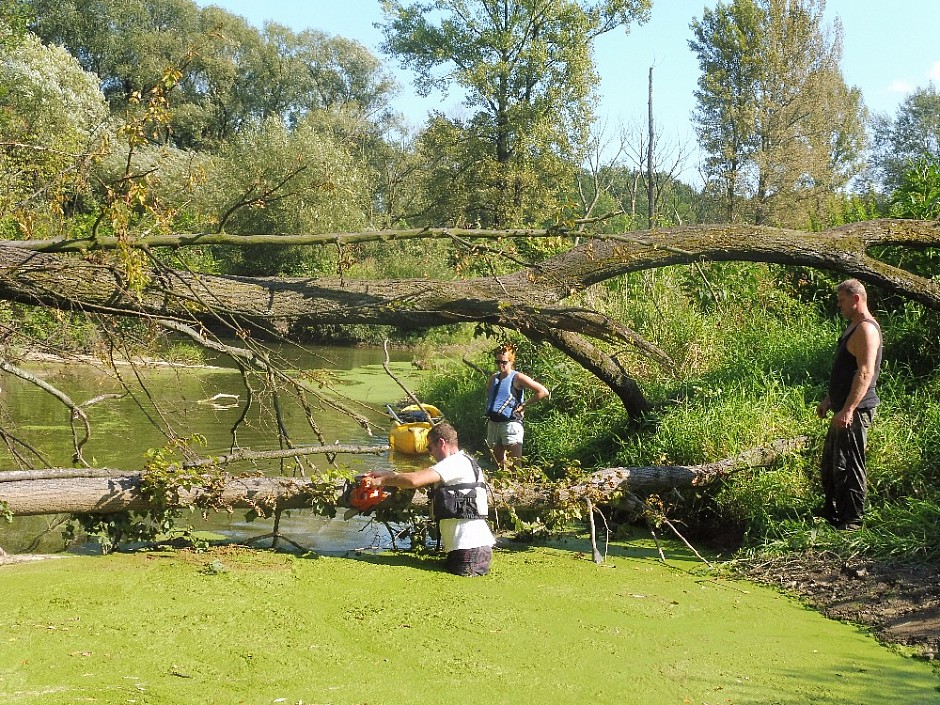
[
  {"x": 54, "y": 118},
  {"x": 918, "y": 195},
  {"x": 14, "y": 17},
  {"x": 780, "y": 128},
  {"x": 912, "y": 134},
  {"x": 216, "y": 96},
  {"x": 232, "y": 77},
  {"x": 526, "y": 69},
  {"x": 127, "y": 43},
  {"x": 344, "y": 75},
  {"x": 277, "y": 181},
  {"x": 727, "y": 43},
  {"x": 288, "y": 75}
]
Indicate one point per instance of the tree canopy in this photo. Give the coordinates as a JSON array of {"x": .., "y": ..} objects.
[
  {"x": 912, "y": 134},
  {"x": 232, "y": 76},
  {"x": 53, "y": 120},
  {"x": 528, "y": 79},
  {"x": 780, "y": 129}
]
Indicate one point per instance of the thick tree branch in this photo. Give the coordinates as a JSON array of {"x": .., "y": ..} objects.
[
  {"x": 536, "y": 291},
  {"x": 603, "y": 366},
  {"x": 530, "y": 300},
  {"x": 86, "y": 244}
]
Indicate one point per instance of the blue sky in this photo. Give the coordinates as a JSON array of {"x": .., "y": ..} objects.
[{"x": 888, "y": 49}]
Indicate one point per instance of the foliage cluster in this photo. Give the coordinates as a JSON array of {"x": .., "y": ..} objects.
[
  {"x": 912, "y": 134},
  {"x": 166, "y": 478},
  {"x": 529, "y": 80},
  {"x": 780, "y": 128}
]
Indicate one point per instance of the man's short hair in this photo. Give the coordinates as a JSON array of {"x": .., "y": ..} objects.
[
  {"x": 443, "y": 430},
  {"x": 853, "y": 287}
]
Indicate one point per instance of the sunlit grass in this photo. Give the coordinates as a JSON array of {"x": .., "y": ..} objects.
[{"x": 750, "y": 369}]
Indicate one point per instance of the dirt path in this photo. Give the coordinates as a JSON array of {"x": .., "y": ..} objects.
[{"x": 900, "y": 603}]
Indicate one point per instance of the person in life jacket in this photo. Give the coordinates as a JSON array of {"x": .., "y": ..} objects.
[
  {"x": 467, "y": 541},
  {"x": 506, "y": 403}
]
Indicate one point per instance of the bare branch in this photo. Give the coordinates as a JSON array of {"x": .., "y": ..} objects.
[
  {"x": 261, "y": 362},
  {"x": 408, "y": 392},
  {"x": 253, "y": 455},
  {"x": 77, "y": 413}
]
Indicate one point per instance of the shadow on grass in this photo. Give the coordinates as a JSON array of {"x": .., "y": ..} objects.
[
  {"x": 433, "y": 561},
  {"x": 430, "y": 562}
]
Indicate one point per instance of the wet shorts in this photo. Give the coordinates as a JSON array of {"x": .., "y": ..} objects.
[
  {"x": 505, "y": 434},
  {"x": 469, "y": 562}
]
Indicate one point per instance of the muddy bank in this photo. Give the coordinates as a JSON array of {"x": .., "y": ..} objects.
[{"x": 900, "y": 603}]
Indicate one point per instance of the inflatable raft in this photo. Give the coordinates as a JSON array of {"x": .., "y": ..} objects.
[{"x": 410, "y": 434}]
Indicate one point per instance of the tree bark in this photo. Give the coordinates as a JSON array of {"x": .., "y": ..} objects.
[
  {"x": 108, "y": 495},
  {"x": 530, "y": 300},
  {"x": 104, "y": 491}
]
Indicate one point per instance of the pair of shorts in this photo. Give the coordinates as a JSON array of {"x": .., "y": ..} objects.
[
  {"x": 469, "y": 562},
  {"x": 504, "y": 433}
]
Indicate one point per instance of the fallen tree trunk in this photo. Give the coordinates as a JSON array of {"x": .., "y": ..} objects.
[
  {"x": 621, "y": 485},
  {"x": 109, "y": 495},
  {"x": 103, "y": 491},
  {"x": 531, "y": 300}
]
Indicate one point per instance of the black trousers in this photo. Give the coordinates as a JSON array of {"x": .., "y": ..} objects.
[
  {"x": 844, "y": 478},
  {"x": 469, "y": 562}
]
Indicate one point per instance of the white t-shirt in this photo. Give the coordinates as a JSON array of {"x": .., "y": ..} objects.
[{"x": 463, "y": 533}]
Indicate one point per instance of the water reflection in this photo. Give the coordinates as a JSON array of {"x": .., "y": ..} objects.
[
  {"x": 311, "y": 532},
  {"x": 211, "y": 402}
]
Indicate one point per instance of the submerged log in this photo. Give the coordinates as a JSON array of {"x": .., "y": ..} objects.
[{"x": 103, "y": 492}]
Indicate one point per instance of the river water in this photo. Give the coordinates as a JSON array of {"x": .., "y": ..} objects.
[{"x": 189, "y": 403}]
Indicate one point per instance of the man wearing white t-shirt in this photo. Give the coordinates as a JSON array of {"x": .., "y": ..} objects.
[{"x": 468, "y": 542}]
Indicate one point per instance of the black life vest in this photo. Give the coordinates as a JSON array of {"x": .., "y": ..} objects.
[{"x": 459, "y": 501}]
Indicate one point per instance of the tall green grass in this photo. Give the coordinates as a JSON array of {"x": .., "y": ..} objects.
[{"x": 750, "y": 367}]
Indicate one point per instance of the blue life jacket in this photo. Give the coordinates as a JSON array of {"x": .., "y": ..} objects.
[{"x": 504, "y": 398}]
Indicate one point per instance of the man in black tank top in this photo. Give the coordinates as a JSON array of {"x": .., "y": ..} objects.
[{"x": 852, "y": 399}]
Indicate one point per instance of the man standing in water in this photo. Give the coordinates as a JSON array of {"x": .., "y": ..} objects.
[
  {"x": 468, "y": 542},
  {"x": 505, "y": 404},
  {"x": 852, "y": 399}
]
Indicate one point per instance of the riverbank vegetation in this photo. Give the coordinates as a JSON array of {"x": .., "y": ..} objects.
[
  {"x": 750, "y": 369},
  {"x": 175, "y": 180}
]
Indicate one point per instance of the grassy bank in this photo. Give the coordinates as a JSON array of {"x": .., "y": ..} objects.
[
  {"x": 547, "y": 626},
  {"x": 752, "y": 359}
]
